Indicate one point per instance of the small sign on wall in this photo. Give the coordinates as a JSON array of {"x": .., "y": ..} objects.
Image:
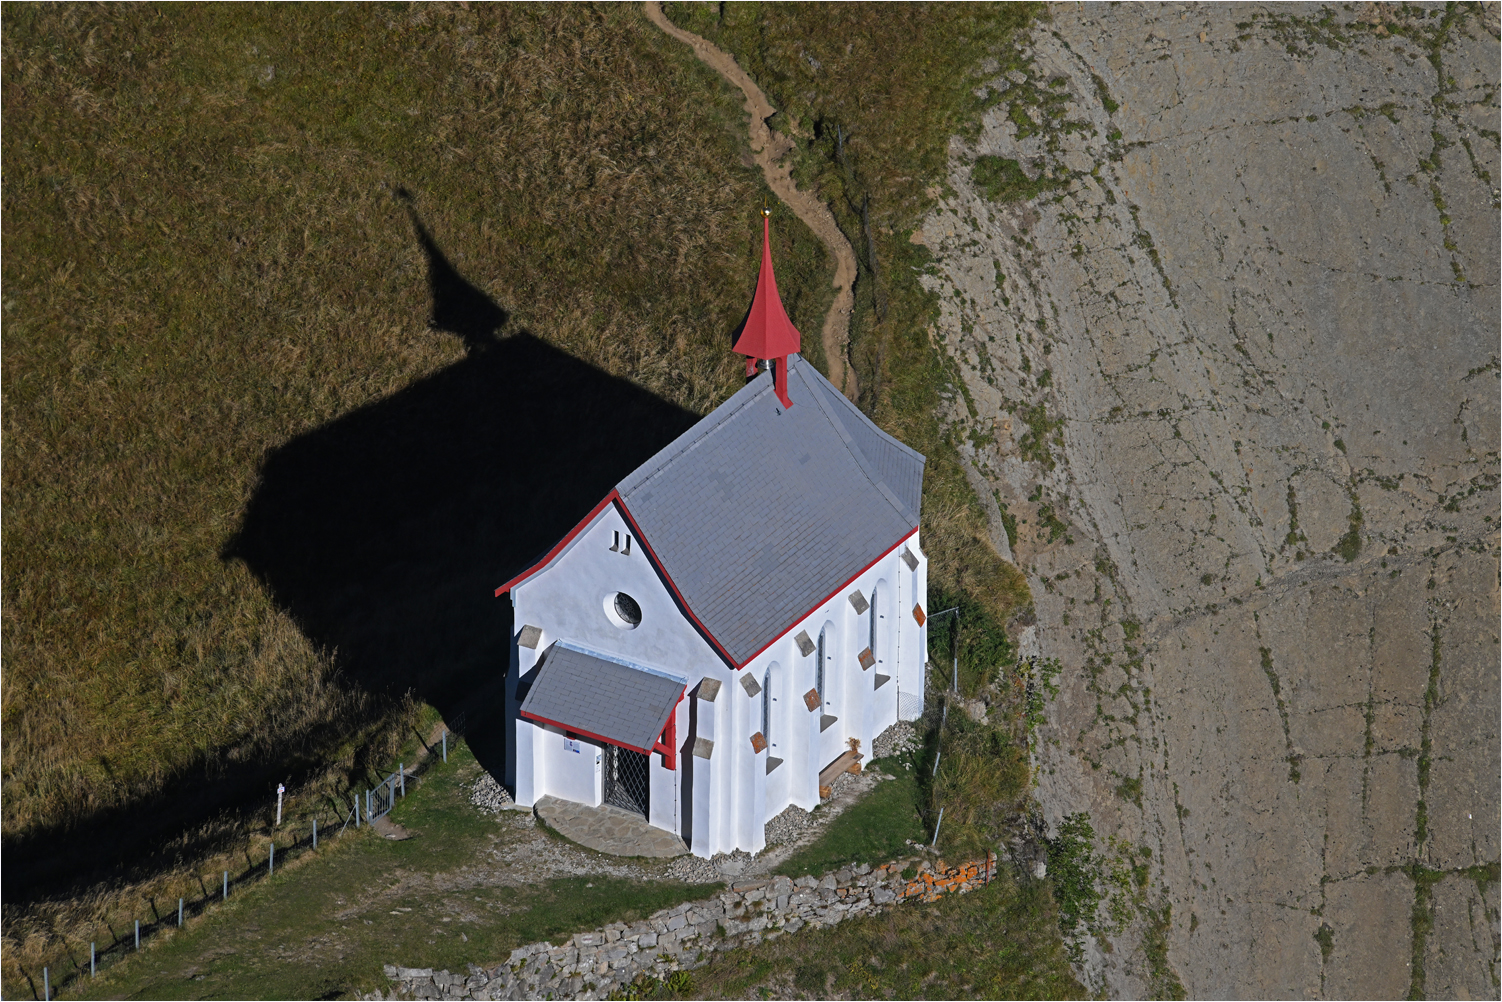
[{"x": 569, "y": 744}]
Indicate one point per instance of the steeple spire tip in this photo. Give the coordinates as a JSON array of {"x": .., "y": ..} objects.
[{"x": 768, "y": 332}]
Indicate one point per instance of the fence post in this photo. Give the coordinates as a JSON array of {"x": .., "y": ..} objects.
[
  {"x": 401, "y": 772},
  {"x": 445, "y": 745},
  {"x": 226, "y": 885},
  {"x": 367, "y": 805},
  {"x": 271, "y": 860},
  {"x": 91, "y": 960},
  {"x": 138, "y": 934},
  {"x": 936, "y": 828},
  {"x": 315, "y": 833},
  {"x": 357, "y": 810},
  {"x": 46, "y": 986},
  {"x": 179, "y": 912}
]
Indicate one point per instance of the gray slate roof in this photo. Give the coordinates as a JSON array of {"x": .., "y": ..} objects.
[
  {"x": 628, "y": 704},
  {"x": 759, "y": 513}
]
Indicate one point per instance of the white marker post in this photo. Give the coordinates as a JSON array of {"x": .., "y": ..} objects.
[{"x": 280, "y": 789}]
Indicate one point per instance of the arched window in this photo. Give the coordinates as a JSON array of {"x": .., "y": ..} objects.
[
  {"x": 766, "y": 705},
  {"x": 819, "y": 665}
]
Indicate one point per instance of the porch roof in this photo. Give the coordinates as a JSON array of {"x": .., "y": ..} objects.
[{"x": 602, "y": 697}]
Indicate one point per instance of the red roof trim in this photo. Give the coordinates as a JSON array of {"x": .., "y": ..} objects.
[
  {"x": 679, "y": 600},
  {"x": 561, "y": 545},
  {"x": 826, "y": 598},
  {"x": 668, "y": 580},
  {"x": 588, "y": 734},
  {"x": 615, "y": 497}
]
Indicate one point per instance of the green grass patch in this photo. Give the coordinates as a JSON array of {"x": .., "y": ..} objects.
[
  {"x": 1043, "y": 433},
  {"x": 981, "y": 785},
  {"x": 1003, "y": 180},
  {"x": 1008, "y": 520},
  {"x": 1074, "y": 873},
  {"x": 975, "y": 634},
  {"x": 207, "y": 259},
  {"x": 1049, "y": 519},
  {"x": 325, "y": 924},
  {"x": 1105, "y": 94},
  {"x": 872, "y": 831},
  {"x": 1000, "y": 941},
  {"x": 1349, "y": 546}
]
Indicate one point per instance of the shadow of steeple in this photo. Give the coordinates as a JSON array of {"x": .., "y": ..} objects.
[
  {"x": 458, "y": 307},
  {"x": 384, "y": 533}
]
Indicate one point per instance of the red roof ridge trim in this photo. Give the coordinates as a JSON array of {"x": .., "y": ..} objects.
[
  {"x": 678, "y": 599},
  {"x": 614, "y": 497},
  {"x": 558, "y": 547},
  {"x": 795, "y": 623}
]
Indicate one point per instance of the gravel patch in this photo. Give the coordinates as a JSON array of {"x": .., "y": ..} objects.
[
  {"x": 788, "y": 826},
  {"x": 898, "y": 739},
  {"x": 489, "y": 796}
]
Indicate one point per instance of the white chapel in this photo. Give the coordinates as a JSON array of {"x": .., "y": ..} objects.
[{"x": 742, "y": 613}]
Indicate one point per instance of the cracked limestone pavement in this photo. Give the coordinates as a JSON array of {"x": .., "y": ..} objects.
[{"x": 1233, "y": 369}]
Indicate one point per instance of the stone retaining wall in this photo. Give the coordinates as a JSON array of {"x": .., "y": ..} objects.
[{"x": 590, "y": 965}]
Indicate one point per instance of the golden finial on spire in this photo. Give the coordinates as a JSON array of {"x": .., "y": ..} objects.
[{"x": 764, "y": 210}]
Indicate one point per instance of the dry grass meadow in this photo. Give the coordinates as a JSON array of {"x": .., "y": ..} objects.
[
  {"x": 214, "y": 224},
  {"x": 207, "y": 257}
]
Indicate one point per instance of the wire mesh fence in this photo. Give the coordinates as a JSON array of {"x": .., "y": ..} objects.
[{"x": 286, "y": 843}]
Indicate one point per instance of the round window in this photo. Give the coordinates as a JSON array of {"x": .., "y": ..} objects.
[{"x": 623, "y": 611}]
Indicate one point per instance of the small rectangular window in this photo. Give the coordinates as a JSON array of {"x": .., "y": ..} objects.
[
  {"x": 627, "y": 549},
  {"x": 615, "y": 542}
]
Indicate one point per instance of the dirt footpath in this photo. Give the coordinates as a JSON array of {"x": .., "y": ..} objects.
[{"x": 769, "y": 148}]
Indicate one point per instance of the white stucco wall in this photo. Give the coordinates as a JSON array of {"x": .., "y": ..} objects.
[
  {"x": 727, "y": 798},
  {"x": 861, "y": 710},
  {"x": 568, "y": 601}
]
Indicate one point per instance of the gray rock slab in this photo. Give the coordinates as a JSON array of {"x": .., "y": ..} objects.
[
  {"x": 609, "y": 829},
  {"x": 1268, "y": 312},
  {"x": 1371, "y": 920},
  {"x": 1460, "y": 957}
]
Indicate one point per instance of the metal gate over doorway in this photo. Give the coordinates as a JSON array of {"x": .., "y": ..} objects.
[{"x": 626, "y": 779}]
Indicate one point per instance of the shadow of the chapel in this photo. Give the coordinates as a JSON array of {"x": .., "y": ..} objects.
[{"x": 384, "y": 534}]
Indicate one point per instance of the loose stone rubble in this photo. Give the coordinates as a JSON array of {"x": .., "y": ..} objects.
[
  {"x": 490, "y": 796},
  {"x": 590, "y": 965},
  {"x": 898, "y": 739}
]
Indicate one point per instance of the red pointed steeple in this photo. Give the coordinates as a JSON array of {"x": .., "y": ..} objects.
[{"x": 767, "y": 332}]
